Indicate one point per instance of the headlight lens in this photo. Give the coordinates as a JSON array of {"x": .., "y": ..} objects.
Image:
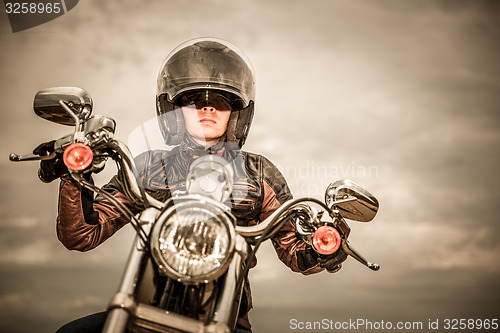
[{"x": 193, "y": 242}]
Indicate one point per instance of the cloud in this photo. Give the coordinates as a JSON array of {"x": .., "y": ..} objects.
[
  {"x": 38, "y": 252},
  {"x": 26, "y": 248},
  {"x": 14, "y": 300},
  {"x": 410, "y": 87},
  {"x": 430, "y": 246},
  {"x": 88, "y": 301}
]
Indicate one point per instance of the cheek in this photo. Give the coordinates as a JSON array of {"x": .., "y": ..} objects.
[
  {"x": 190, "y": 117},
  {"x": 224, "y": 117}
]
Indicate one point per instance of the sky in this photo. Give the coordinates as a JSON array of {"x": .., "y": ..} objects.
[{"x": 400, "y": 96}]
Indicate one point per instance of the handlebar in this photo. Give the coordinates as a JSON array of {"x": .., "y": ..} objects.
[
  {"x": 254, "y": 234},
  {"x": 127, "y": 163},
  {"x": 259, "y": 229}
]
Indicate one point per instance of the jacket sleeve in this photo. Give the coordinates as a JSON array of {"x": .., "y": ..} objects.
[
  {"x": 83, "y": 224},
  {"x": 291, "y": 250}
]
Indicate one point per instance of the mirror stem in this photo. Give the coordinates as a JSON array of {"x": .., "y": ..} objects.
[
  {"x": 333, "y": 204},
  {"x": 72, "y": 114}
]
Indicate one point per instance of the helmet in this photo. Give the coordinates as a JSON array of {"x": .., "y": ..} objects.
[{"x": 211, "y": 71}]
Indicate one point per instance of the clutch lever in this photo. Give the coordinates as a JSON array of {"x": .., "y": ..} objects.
[
  {"x": 30, "y": 157},
  {"x": 59, "y": 146}
]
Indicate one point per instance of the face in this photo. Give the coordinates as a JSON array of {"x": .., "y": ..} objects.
[{"x": 206, "y": 125}]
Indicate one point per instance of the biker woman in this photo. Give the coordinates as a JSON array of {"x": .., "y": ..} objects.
[{"x": 205, "y": 105}]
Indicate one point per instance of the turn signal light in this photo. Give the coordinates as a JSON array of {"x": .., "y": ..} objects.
[
  {"x": 326, "y": 240},
  {"x": 78, "y": 156}
]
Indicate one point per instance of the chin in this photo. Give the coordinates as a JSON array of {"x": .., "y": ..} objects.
[{"x": 210, "y": 136}]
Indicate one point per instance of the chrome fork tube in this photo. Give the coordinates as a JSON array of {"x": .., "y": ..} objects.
[
  {"x": 122, "y": 302},
  {"x": 226, "y": 311}
]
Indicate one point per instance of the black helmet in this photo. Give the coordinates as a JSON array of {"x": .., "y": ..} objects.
[{"x": 208, "y": 71}]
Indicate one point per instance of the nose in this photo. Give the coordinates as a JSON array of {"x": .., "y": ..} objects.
[{"x": 208, "y": 109}]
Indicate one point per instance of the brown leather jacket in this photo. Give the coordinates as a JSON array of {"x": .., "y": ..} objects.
[{"x": 259, "y": 189}]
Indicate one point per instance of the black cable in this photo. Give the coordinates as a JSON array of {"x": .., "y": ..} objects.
[
  {"x": 122, "y": 176},
  {"x": 124, "y": 156},
  {"x": 123, "y": 210}
]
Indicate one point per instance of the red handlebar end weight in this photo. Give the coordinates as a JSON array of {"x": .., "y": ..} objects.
[{"x": 78, "y": 156}]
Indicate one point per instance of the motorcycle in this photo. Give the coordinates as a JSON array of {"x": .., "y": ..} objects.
[{"x": 189, "y": 261}]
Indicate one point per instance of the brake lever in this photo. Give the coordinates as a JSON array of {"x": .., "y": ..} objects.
[{"x": 350, "y": 251}]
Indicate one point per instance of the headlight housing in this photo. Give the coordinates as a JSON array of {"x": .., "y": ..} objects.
[{"x": 193, "y": 241}]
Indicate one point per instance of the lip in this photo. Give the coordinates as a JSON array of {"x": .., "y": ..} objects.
[{"x": 207, "y": 120}]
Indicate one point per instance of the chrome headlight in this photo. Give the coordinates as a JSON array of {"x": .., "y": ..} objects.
[{"x": 193, "y": 241}]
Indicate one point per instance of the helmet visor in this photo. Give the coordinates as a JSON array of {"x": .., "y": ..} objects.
[{"x": 220, "y": 100}]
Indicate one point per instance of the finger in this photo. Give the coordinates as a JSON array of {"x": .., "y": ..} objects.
[
  {"x": 46, "y": 178},
  {"x": 44, "y": 149},
  {"x": 334, "y": 269}
]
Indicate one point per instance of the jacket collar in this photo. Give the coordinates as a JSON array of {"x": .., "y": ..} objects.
[{"x": 193, "y": 149}]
